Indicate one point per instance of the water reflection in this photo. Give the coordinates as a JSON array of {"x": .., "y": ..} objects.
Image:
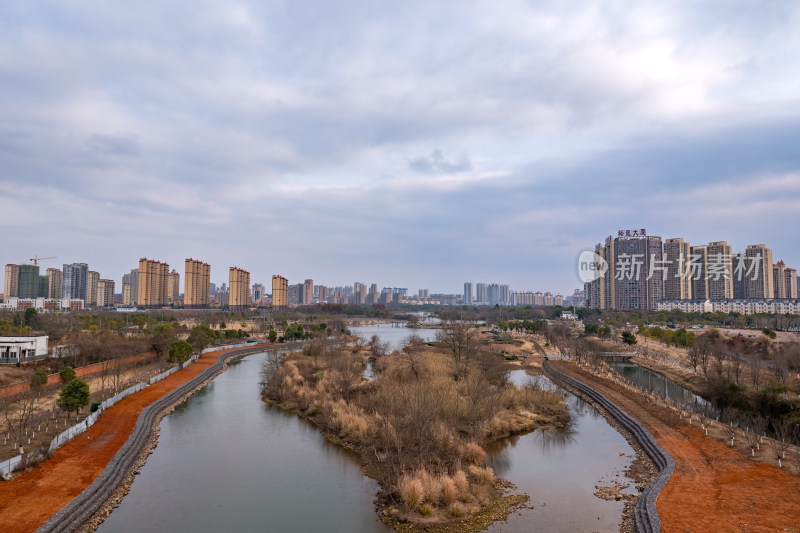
[
  {"x": 226, "y": 461},
  {"x": 559, "y": 468},
  {"x": 657, "y": 384}
]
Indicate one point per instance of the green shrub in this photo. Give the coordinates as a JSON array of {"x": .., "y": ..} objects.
[
  {"x": 67, "y": 375},
  {"x": 39, "y": 378}
]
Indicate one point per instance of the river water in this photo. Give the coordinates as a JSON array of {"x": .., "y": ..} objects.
[
  {"x": 658, "y": 384},
  {"x": 226, "y": 461}
]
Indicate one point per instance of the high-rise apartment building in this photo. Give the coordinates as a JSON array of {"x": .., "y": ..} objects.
[
  {"x": 758, "y": 277},
  {"x": 11, "y": 284},
  {"x": 739, "y": 282},
  {"x": 784, "y": 280},
  {"x": 132, "y": 279},
  {"x": 127, "y": 294},
  {"x": 481, "y": 294},
  {"x": 55, "y": 283},
  {"x": 280, "y": 291},
  {"x": 197, "y": 284},
  {"x": 634, "y": 285},
  {"x": 698, "y": 272},
  {"x": 258, "y": 293},
  {"x": 74, "y": 281},
  {"x": 29, "y": 283},
  {"x": 719, "y": 270},
  {"x": 677, "y": 285},
  {"x": 468, "y": 293},
  {"x": 105, "y": 293},
  {"x": 307, "y": 294},
  {"x": 239, "y": 295},
  {"x": 92, "y": 279},
  {"x": 497, "y": 294},
  {"x": 153, "y": 276},
  {"x": 322, "y": 293},
  {"x": 173, "y": 286},
  {"x": 295, "y": 293},
  {"x": 373, "y": 288},
  {"x": 423, "y": 293}
]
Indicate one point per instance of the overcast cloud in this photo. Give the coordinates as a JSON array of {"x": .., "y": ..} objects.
[{"x": 415, "y": 144}]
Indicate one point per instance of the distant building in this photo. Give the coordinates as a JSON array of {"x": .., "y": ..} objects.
[
  {"x": 423, "y": 293},
  {"x": 197, "y": 287},
  {"x": 322, "y": 293},
  {"x": 173, "y": 286},
  {"x": 784, "y": 280},
  {"x": 105, "y": 293},
  {"x": 92, "y": 279},
  {"x": 152, "y": 283},
  {"x": 133, "y": 280},
  {"x": 468, "y": 293},
  {"x": 698, "y": 272},
  {"x": 759, "y": 284},
  {"x": 481, "y": 294},
  {"x": 677, "y": 285},
  {"x": 11, "y": 283},
  {"x": 127, "y": 295},
  {"x": 719, "y": 271},
  {"x": 259, "y": 294},
  {"x": 55, "y": 283},
  {"x": 29, "y": 283},
  {"x": 307, "y": 294},
  {"x": 295, "y": 293},
  {"x": 280, "y": 291},
  {"x": 74, "y": 281},
  {"x": 239, "y": 295}
]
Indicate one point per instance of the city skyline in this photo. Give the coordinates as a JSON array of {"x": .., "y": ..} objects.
[{"x": 491, "y": 145}]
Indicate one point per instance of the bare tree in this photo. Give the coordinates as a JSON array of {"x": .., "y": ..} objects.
[
  {"x": 731, "y": 418},
  {"x": 781, "y": 442},
  {"x": 694, "y": 357},
  {"x": 462, "y": 342}
]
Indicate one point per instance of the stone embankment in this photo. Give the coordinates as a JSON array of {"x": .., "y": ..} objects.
[
  {"x": 88, "y": 502},
  {"x": 646, "y": 519}
]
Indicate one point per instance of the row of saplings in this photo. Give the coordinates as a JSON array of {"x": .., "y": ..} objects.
[{"x": 420, "y": 424}]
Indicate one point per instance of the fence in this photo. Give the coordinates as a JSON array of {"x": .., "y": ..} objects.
[
  {"x": 9, "y": 465},
  {"x": 72, "y": 432}
]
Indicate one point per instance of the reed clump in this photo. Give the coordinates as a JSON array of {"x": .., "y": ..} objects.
[{"x": 421, "y": 425}]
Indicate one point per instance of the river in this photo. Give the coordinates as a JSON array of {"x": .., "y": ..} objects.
[
  {"x": 227, "y": 461},
  {"x": 657, "y": 384}
]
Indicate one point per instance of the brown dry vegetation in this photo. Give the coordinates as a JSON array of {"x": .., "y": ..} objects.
[{"x": 421, "y": 424}]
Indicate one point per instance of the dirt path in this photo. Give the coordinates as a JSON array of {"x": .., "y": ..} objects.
[
  {"x": 32, "y": 497},
  {"x": 714, "y": 487}
]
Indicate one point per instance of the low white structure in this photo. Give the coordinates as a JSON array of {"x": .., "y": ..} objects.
[
  {"x": 21, "y": 349},
  {"x": 43, "y": 304},
  {"x": 743, "y": 307}
]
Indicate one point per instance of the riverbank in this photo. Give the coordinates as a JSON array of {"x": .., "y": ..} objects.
[
  {"x": 418, "y": 431},
  {"x": 31, "y": 498},
  {"x": 712, "y": 484}
]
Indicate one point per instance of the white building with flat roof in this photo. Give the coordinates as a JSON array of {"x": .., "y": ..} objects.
[{"x": 21, "y": 349}]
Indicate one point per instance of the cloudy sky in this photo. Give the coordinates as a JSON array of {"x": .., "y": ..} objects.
[{"x": 413, "y": 144}]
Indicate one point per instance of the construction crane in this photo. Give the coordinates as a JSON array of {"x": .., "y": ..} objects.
[{"x": 36, "y": 259}]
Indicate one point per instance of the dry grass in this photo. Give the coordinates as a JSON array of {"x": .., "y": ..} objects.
[
  {"x": 415, "y": 424},
  {"x": 411, "y": 492}
]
